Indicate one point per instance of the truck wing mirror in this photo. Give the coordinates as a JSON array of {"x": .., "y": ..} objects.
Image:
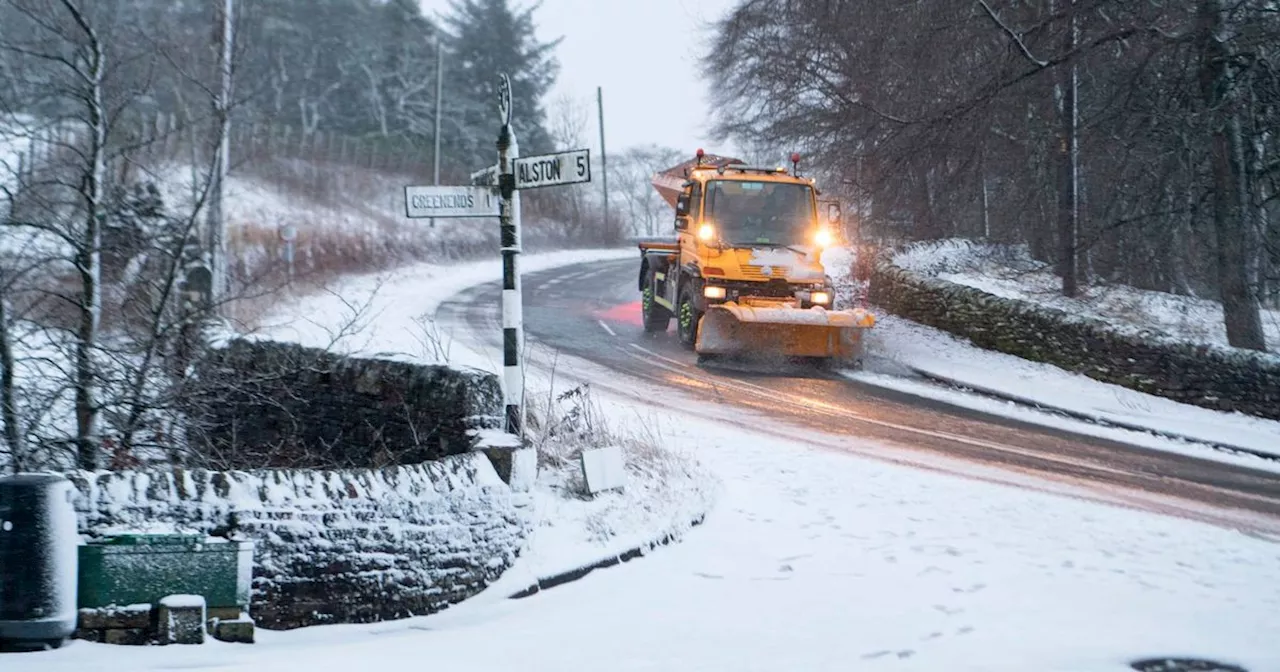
[
  {"x": 833, "y": 213},
  {"x": 682, "y": 223},
  {"x": 682, "y": 205}
]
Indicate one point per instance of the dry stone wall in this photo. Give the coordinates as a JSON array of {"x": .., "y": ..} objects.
[
  {"x": 1216, "y": 377},
  {"x": 344, "y": 546},
  {"x": 268, "y": 404}
]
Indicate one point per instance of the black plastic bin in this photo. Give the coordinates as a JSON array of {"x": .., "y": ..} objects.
[{"x": 38, "y": 561}]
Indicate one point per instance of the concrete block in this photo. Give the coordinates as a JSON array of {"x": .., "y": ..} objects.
[
  {"x": 236, "y": 631},
  {"x": 604, "y": 469},
  {"x": 181, "y": 619},
  {"x": 127, "y": 617}
]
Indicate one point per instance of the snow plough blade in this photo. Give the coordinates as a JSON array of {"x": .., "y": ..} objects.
[{"x": 731, "y": 329}]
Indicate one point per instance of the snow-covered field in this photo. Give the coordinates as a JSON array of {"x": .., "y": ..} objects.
[
  {"x": 328, "y": 208},
  {"x": 1015, "y": 275}
]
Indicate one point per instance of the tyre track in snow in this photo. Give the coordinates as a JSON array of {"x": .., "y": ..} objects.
[{"x": 587, "y": 317}]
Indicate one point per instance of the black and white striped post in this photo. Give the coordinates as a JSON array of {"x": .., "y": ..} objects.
[{"x": 512, "y": 309}]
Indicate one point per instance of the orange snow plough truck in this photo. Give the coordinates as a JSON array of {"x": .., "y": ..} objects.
[{"x": 744, "y": 275}]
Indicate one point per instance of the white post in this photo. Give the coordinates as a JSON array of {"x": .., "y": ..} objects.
[
  {"x": 512, "y": 310},
  {"x": 604, "y": 165}
]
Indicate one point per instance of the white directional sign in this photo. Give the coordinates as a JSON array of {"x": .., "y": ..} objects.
[
  {"x": 486, "y": 176},
  {"x": 445, "y": 202},
  {"x": 549, "y": 170}
]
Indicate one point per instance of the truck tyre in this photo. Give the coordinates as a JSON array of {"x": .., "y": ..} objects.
[
  {"x": 687, "y": 316},
  {"x": 656, "y": 318}
]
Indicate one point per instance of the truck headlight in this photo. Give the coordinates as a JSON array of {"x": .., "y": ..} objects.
[
  {"x": 706, "y": 233},
  {"x": 820, "y": 297},
  {"x": 713, "y": 292},
  {"x": 822, "y": 238}
]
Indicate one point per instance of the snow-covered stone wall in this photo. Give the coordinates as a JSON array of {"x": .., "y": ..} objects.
[
  {"x": 268, "y": 404},
  {"x": 343, "y": 546},
  {"x": 1215, "y": 377}
]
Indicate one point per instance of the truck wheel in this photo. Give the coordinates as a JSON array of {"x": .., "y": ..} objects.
[
  {"x": 687, "y": 317},
  {"x": 656, "y": 318}
]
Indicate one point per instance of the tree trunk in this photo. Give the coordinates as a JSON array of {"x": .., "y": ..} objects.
[
  {"x": 217, "y": 242},
  {"x": 1069, "y": 168},
  {"x": 8, "y": 403},
  {"x": 1231, "y": 209},
  {"x": 88, "y": 261}
]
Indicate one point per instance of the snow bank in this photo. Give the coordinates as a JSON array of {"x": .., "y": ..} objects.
[
  {"x": 1146, "y": 360},
  {"x": 347, "y": 546},
  {"x": 936, "y": 353},
  {"x": 1011, "y": 273}
]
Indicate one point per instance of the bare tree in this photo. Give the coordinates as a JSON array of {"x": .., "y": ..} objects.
[
  {"x": 630, "y": 177},
  {"x": 1132, "y": 142}
]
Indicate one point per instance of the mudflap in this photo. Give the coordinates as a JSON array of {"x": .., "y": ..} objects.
[{"x": 729, "y": 329}]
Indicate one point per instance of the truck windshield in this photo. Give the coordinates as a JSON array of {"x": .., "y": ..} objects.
[{"x": 768, "y": 213}]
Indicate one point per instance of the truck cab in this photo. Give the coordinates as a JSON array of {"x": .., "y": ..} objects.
[{"x": 747, "y": 237}]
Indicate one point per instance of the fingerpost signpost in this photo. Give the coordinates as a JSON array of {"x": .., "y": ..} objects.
[
  {"x": 515, "y": 173},
  {"x": 504, "y": 180}
]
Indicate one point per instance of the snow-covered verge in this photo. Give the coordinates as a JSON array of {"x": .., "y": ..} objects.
[
  {"x": 667, "y": 490},
  {"x": 1209, "y": 376},
  {"x": 897, "y": 346},
  {"x": 1010, "y": 272},
  {"x": 344, "y": 546},
  {"x": 394, "y": 314},
  {"x": 1019, "y": 383}
]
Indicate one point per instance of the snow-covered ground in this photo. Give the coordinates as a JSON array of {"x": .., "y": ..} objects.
[
  {"x": 393, "y": 315},
  {"x": 821, "y": 553},
  {"x": 328, "y": 207},
  {"x": 818, "y": 560},
  {"x": 940, "y": 354},
  {"x": 1012, "y": 274}
]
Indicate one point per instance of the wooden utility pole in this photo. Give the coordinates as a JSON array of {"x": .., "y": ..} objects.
[
  {"x": 604, "y": 166},
  {"x": 435, "y": 159}
]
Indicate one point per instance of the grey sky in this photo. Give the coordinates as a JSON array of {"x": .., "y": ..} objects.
[{"x": 644, "y": 53}]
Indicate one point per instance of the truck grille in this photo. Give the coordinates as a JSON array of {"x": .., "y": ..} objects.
[{"x": 753, "y": 272}]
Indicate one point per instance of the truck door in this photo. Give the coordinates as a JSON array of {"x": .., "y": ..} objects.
[{"x": 689, "y": 239}]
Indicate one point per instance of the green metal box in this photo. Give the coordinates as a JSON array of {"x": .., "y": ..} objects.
[{"x": 144, "y": 568}]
